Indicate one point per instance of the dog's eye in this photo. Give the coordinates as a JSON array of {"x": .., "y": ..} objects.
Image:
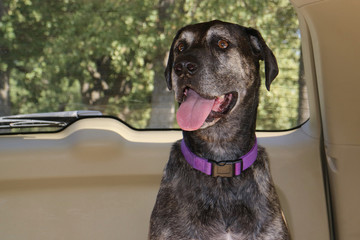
[
  {"x": 181, "y": 47},
  {"x": 223, "y": 44}
]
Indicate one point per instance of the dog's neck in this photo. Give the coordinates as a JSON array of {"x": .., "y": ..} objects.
[
  {"x": 223, "y": 141},
  {"x": 230, "y": 137}
]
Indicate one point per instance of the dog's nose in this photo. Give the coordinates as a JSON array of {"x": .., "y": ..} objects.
[{"x": 185, "y": 68}]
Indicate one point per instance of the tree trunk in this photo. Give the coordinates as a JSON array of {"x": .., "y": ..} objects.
[
  {"x": 5, "y": 105},
  {"x": 162, "y": 101}
]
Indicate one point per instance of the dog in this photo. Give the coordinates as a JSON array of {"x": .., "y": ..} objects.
[{"x": 217, "y": 182}]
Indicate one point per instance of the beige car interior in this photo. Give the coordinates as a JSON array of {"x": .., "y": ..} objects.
[{"x": 98, "y": 179}]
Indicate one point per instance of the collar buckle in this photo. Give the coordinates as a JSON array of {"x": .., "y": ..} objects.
[{"x": 226, "y": 170}]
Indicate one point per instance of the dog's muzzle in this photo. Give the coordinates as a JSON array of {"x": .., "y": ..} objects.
[{"x": 196, "y": 111}]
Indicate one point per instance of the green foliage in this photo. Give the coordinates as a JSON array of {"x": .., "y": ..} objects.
[{"x": 103, "y": 54}]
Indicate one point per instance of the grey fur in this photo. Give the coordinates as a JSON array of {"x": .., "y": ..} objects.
[{"x": 190, "y": 204}]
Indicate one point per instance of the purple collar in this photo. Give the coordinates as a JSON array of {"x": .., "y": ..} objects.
[{"x": 220, "y": 169}]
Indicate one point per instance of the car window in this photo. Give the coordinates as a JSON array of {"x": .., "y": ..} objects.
[{"x": 109, "y": 56}]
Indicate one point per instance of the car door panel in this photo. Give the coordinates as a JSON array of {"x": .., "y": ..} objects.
[{"x": 98, "y": 179}]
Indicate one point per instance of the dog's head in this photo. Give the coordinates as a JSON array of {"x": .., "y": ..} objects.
[{"x": 213, "y": 67}]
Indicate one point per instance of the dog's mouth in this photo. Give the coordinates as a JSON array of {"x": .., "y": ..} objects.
[
  {"x": 222, "y": 106},
  {"x": 196, "y": 111}
]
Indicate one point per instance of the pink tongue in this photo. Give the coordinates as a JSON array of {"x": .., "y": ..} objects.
[{"x": 193, "y": 112}]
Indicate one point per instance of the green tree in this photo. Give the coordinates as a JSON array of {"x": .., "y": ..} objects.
[{"x": 109, "y": 55}]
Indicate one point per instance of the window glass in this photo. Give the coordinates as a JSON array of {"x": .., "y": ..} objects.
[{"x": 110, "y": 55}]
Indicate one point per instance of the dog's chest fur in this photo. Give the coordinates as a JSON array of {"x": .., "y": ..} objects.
[{"x": 192, "y": 205}]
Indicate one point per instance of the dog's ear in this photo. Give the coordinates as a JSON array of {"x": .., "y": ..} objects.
[
  {"x": 170, "y": 62},
  {"x": 264, "y": 52},
  {"x": 168, "y": 68}
]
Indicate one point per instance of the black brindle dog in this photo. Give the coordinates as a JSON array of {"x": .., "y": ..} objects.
[{"x": 217, "y": 183}]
